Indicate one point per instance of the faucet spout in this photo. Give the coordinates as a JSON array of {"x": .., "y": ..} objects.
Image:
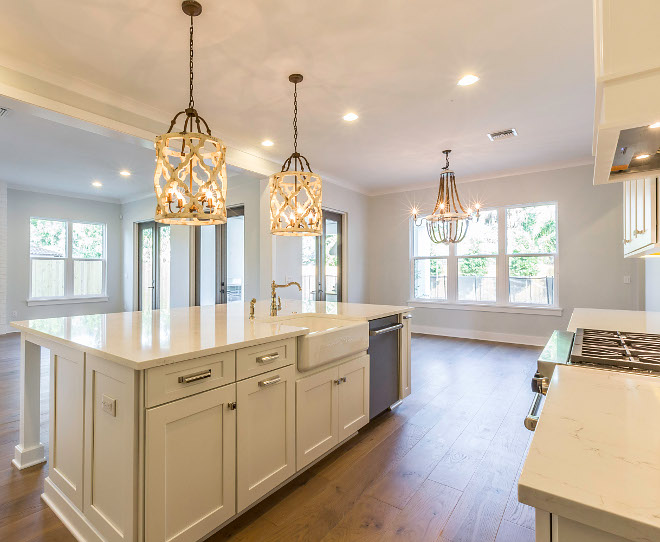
[{"x": 273, "y": 294}]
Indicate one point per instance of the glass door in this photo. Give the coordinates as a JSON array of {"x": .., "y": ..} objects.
[
  {"x": 321, "y": 261},
  {"x": 219, "y": 260},
  {"x": 153, "y": 266}
]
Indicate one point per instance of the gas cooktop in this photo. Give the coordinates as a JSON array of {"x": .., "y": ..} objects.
[{"x": 617, "y": 350}]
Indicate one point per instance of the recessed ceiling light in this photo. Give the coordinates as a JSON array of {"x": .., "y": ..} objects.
[
  {"x": 267, "y": 143},
  {"x": 655, "y": 125},
  {"x": 350, "y": 117},
  {"x": 97, "y": 184},
  {"x": 468, "y": 80},
  {"x": 642, "y": 156},
  {"x": 125, "y": 173}
]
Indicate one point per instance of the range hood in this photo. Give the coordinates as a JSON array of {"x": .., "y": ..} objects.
[{"x": 637, "y": 151}]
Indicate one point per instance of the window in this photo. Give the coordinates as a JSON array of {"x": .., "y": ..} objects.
[
  {"x": 67, "y": 259},
  {"x": 531, "y": 247},
  {"x": 322, "y": 261},
  {"x": 508, "y": 257}
]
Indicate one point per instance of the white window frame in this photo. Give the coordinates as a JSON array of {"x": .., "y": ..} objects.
[
  {"x": 502, "y": 303},
  {"x": 69, "y": 260}
]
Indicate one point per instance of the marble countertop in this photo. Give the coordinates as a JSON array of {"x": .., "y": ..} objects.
[
  {"x": 615, "y": 320},
  {"x": 142, "y": 340},
  {"x": 595, "y": 455}
]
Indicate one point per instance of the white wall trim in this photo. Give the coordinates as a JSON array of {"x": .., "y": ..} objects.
[
  {"x": 490, "y": 307},
  {"x": 512, "y": 338},
  {"x": 66, "y": 300}
]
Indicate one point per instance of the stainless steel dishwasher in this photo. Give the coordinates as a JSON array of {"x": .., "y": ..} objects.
[{"x": 383, "y": 363}]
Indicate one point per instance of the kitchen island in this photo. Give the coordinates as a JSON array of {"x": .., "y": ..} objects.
[
  {"x": 166, "y": 425},
  {"x": 593, "y": 468}
]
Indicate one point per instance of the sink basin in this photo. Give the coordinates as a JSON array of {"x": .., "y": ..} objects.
[{"x": 328, "y": 340}]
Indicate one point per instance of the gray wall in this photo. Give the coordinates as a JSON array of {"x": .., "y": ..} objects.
[
  {"x": 591, "y": 265},
  {"x": 652, "y": 266},
  {"x": 21, "y": 206}
]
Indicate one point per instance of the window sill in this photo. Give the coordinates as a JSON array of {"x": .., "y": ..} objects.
[
  {"x": 65, "y": 300},
  {"x": 487, "y": 307}
]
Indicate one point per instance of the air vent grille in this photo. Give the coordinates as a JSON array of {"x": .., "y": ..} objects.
[{"x": 502, "y": 134}]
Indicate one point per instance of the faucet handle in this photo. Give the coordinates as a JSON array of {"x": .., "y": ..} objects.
[
  {"x": 252, "y": 303},
  {"x": 279, "y": 303}
]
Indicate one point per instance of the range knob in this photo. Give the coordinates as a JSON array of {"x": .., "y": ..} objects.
[{"x": 539, "y": 384}]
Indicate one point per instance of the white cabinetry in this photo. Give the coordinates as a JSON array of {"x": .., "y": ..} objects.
[
  {"x": 265, "y": 434},
  {"x": 640, "y": 224},
  {"x": 190, "y": 466},
  {"x": 330, "y": 406},
  {"x": 554, "y": 528}
]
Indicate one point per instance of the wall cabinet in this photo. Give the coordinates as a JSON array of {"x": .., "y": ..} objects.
[
  {"x": 640, "y": 224},
  {"x": 265, "y": 434},
  {"x": 190, "y": 466},
  {"x": 330, "y": 406}
]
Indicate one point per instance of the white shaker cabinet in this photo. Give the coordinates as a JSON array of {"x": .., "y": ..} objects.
[
  {"x": 190, "y": 485},
  {"x": 640, "y": 224},
  {"x": 331, "y": 405},
  {"x": 266, "y": 435}
]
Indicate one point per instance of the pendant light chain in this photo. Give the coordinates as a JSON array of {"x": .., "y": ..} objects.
[
  {"x": 295, "y": 118},
  {"x": 191, "y": 102}
]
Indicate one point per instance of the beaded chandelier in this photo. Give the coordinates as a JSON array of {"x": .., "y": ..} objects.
[
  {"x": 190, "y": 180},
  {"x": 449, "y": 221},
  {"x": 295, "y": 194}
]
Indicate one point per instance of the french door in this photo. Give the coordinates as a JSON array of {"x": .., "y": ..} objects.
[
  {"x": 322, "y": 261},
  {"x": 219, "y": 260},
  {"x": 153, "y": 266}
]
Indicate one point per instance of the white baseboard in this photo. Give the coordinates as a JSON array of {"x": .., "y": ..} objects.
[
  {"x": 513, "y": 338},
  {"x": 77, "y": 524}
]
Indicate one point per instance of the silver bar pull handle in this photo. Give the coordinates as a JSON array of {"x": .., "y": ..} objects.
[
  {"x": 533, "y": 415},
  {"x": 268, "y": 358},
  {"x": 385, "y": 329},
  {"x": 195, "y": 377},
  {"x": 270, "y": 381}
]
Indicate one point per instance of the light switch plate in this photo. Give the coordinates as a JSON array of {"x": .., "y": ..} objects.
[
  {"x": 626, "y": 279},
  {"x": 109, "y": 405}
]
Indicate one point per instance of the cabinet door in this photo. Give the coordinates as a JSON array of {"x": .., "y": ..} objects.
[
  {"x": 627, "y": 211},
  {"x": 316, "y": 416},
  {"x": 404, "y": 357},
  {"x": 190, "y": 466},
  {"x": 265, "y": 432},
  {"x": 353, "y": 396}
]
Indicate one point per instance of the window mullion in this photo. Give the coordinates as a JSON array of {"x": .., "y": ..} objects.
[
  {"x": 452, "y": 274},
  {"x": 68, "y": 292},
  {"x": 502, "y": 294}
]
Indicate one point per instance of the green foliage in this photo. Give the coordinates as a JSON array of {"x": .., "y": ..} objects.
[
  {"x": 87, "y": 240},
  {"x": 530, "y": 230},
  {"x": 474, "y": 267},
  {"x": 47, "y": 237}
]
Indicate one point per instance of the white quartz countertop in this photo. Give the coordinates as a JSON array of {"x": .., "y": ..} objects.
[
  {"x": 595, "y": 455},
  {"x": 615, "y": 320},
  {"x": 146, "y": 339}
]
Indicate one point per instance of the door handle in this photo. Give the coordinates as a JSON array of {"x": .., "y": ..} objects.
[{"x": 532, "y": 418}]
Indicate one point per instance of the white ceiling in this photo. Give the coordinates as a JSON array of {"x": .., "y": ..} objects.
[
  {"x": 63, "y": 156},
  {"x": 393, "y": 62}
]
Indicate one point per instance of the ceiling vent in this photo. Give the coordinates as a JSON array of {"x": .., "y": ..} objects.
[
  {"x": 3, "y": 112},
  {"x": 502, "y": 134}
]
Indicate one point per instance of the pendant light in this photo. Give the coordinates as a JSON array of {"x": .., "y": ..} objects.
[
  {"x": 449, "y": 221},
  {"x": 190, "y": 180},
  {"x": 295, "y": 194}
]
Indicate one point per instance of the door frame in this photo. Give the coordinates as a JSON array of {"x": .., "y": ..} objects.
[
  {"x": 155, "y": 271},
  {"x": 339, "y": 218},
  {"x": 220, "y": 258}
]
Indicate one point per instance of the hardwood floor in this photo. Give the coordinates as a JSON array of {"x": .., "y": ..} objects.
[{"x": 442, "y": 467}]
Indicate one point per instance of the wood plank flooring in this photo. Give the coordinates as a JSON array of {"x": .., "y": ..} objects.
[{"x": 442, "y": 467}]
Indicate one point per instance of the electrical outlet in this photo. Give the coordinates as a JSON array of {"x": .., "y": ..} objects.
[
  {"x": 14, "y": 314},
  {"x": 626, "y": 279},
  {"x": 109, "y": 405}
]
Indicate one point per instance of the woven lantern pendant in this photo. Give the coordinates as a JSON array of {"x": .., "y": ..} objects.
[
  {"x": 449, "y": 221},
  {"x": 190, "y": 180},
  {"x": 295, "y": 193}
]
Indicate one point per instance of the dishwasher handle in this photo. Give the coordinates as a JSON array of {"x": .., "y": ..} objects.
[
  {"x": 532, "y": 417},
  {"x": 382, "y": 330}
]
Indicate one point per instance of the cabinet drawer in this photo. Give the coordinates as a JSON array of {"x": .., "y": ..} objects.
[
  {"x": 264, "y": 357},
  {"x": 178, "y": 380}
]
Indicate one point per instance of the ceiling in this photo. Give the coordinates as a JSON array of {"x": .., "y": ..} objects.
[
  {"x": 63, "y": 156},
  {"x": 393, "y": 62}
]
